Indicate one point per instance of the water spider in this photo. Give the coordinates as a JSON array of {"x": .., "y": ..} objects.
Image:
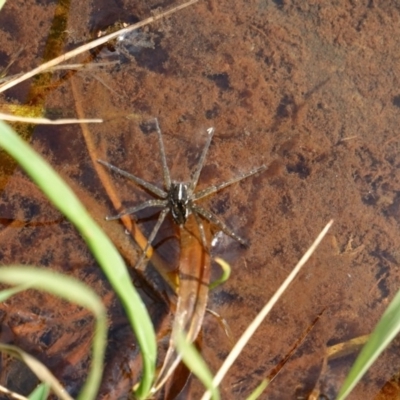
[{"x": 179, "y": 198}]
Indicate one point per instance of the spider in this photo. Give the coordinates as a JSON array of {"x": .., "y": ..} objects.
[{"x": 179, "y": 198}]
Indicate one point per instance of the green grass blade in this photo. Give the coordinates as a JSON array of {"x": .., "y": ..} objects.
[
  {"x": 196, "y": 364},
  {"x": 257, "y": 392},
  {"x": 40, "y": 393},
  {"x": 103, "y": 250},
  {"x": 7, "y": 293},
  {"x": 73, "y": 291},
  {"x": 386, "y": 330},
  {"x": 226, "y": 273}
]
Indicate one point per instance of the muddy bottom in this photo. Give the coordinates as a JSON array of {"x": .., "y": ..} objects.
[{"x": 309, "y": 89}]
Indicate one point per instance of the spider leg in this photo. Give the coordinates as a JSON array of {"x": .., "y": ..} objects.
[
  {"x": 215, "y": 188},
  {"x": 147, "y": 185},
  {"x": 131, "y": 210},
  {"x": 201, "y": 229},
  {"x": 199, "y": 167},
  {"x": 167, "y": 176},
  {"x": 209, "y": 216},
  {"x": 153, "y": 234}
]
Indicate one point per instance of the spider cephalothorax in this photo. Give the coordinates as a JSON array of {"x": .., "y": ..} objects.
[
  {"x": 179, "y": 202},
  {"x": 180, "y": 198}
]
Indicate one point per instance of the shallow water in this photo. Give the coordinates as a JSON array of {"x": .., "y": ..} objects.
[{"x": 311, "y": 90}]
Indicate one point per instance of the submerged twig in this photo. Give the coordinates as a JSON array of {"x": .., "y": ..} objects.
[{"x": 106, "y": 181}]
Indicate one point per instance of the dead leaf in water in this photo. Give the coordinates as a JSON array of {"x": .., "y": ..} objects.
[{"x": 194, "y": 278}]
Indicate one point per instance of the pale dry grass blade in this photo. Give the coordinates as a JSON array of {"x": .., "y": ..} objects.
[
  {"x": 7, "y": 78},
  {"x": 46, "y": 121},
  {"x": 39, "y": 369},
  {"x": 248, "y": 333},
  {"x": 12, "y": 395},
  {"x": 91, "y": 45}
]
